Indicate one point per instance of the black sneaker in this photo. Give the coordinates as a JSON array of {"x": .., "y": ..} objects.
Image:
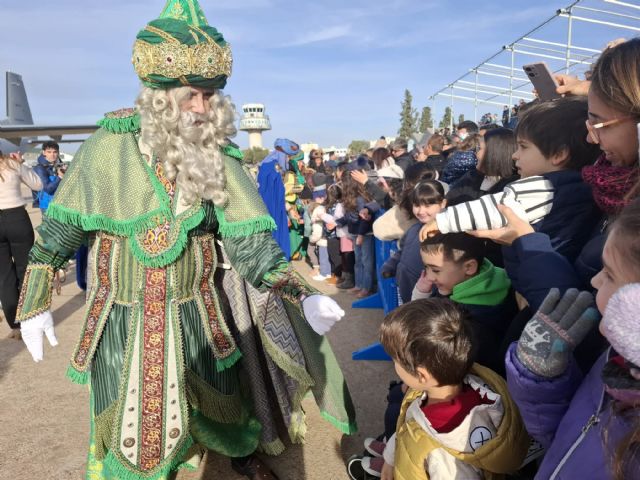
[{"x": 355, "y": 470}]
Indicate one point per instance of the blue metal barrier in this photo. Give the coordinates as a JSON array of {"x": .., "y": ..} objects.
[
  {"x": 387, "y": 295},
  {"x": 387, "y": 298}
]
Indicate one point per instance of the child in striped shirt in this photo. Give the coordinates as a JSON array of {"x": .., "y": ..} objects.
[{"x": 551, "y": 195}]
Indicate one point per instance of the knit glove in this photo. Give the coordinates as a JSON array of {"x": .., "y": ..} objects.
[
  {"x": 321, "y": 312},
  {"x": 32, "y": 331},
  {"x": 559, "y": 325}
]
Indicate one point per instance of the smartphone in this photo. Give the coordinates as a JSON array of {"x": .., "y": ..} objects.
[{"x": 542, "y": 80}]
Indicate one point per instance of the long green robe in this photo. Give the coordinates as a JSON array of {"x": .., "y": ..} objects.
[{"x": 193, "y": 334}]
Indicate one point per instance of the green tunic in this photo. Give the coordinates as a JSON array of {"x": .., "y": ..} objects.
[{"x": 192, "y": 314}]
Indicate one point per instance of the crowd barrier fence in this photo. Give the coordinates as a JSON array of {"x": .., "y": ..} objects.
[{"x": 387, "y": 297}]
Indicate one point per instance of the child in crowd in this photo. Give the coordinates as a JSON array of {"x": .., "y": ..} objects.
[
  {"x": 456, "y": 267},
  {"x": 334, "y": 195},
  {"x": 359, "y": 209},
  {"x": 394, "y": 223},
  {"x": 426, "y": 200},
  {"x": 589, "y": 425},
  {"x": 317, "y": 238},
  {"x": 318, "y": 243},
  {"x": 552, "y": 149},
  {"x": 457, "y": 419},
  {"x": 495, "y": 169},
  {"x": 347, "y": 255}
]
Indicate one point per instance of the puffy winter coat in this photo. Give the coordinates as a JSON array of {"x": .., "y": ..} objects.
[{"x": 569, "y": 415}]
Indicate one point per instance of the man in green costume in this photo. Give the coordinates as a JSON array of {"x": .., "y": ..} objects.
[{"x": 197, "y": 333}]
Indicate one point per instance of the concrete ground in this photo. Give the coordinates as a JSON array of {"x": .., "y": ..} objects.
[{"x": 44, "y": 420}]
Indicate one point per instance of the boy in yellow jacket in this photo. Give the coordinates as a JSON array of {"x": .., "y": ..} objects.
[{"x": 457, "y": 419}]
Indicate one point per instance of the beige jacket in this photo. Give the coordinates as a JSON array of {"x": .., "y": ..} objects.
[
  {"x": 11, "y": 179},
  {"x": 392, "y": 225}
]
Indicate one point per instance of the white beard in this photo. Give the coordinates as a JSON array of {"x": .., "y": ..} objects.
[{"x": 190, "y": 157}]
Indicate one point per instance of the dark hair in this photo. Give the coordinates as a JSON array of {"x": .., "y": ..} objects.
[
  {"x": 436, "y": 142},
  {"x": 500, "y": 145},
  {"x": 432, "y": 333},
  {"x": 351, "y": 190},
  {"x": 487, "y": 127},
  {"x": 557, "y": 126},
  {"x": 469, "y": 126},
  {"x": 414, "y": 174},
  {"x": 456, "y": 247},
  {"x": 427, "y": 192},
  {"x": 342, "y": 166},
  {"x": 334, "y": 195},
  {"x": 379, "y": 156},
  {"x": 51, "y": 144}
]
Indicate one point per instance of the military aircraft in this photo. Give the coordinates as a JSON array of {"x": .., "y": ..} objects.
[{"x": 18, "y": 132}]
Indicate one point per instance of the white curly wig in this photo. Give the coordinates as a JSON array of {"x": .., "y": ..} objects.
[{"x": 190, "y": 152}]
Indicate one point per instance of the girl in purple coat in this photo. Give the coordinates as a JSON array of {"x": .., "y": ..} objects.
[{"x": 589, "y": 425}]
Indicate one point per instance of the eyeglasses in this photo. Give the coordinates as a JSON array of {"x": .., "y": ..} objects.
[{"x": 594, "y": 134}]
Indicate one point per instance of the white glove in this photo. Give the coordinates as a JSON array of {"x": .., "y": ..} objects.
[
  {"x": 321, "y": 312},
  {"x": 32, "y": 331}
]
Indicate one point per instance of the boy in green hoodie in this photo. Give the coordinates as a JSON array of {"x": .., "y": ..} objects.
[{"x": 455, "y": 267}]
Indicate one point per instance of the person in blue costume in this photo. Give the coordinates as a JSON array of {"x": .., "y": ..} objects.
[{"x": 271, "y": 188}]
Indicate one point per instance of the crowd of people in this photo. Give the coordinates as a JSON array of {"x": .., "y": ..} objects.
[
  {"x": 517, "y": 264},
  {"x": 503, "y": 235}
]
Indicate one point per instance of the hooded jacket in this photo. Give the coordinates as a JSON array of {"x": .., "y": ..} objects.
[{"x": 489, "y": 442}]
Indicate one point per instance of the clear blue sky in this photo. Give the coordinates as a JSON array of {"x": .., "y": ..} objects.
[{"x": 328, "y": 71}]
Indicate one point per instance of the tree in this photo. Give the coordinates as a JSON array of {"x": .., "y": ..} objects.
[
  {"x": 408, "y": 117},
  {"x": 426, "y": 121},
  {"x": 446, "y": 119},
  {"x": 358, "y": 146},
  {"x": 460, "y": 118},
  {"x": 255, "y": 154}
]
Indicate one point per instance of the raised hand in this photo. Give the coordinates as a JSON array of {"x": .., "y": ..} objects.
[{"x": 559, "y": 325}]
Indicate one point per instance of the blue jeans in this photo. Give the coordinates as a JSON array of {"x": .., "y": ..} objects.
[
  {"x": 365, "y": 267},
  {"x": 325, "y": 265}
]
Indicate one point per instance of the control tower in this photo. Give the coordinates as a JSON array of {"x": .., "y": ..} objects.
[{"x": 254, "y": 121}]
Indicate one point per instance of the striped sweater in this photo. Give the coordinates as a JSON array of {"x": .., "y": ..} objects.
[{"x": 530, "y": 198}]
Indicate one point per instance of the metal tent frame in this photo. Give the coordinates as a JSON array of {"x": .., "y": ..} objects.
[{"x": 493, "y": 83}]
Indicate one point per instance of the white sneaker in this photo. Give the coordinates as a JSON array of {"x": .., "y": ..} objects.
[{"x": 320, "y": 277}]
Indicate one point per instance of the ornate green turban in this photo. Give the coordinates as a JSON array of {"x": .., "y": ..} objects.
[{"x": 180, "y": 48}]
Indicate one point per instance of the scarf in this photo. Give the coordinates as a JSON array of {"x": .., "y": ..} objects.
[{"x": 610, "y": 184}]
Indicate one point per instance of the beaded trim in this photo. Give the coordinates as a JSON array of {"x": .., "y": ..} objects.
[
  {"x": 100, "y": 304},
  {"x": 153, "y": 364},
  {"x": 174, "y": 60}
]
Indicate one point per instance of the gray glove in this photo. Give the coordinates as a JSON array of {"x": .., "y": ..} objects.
[{"x": 555, "y": 330}]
